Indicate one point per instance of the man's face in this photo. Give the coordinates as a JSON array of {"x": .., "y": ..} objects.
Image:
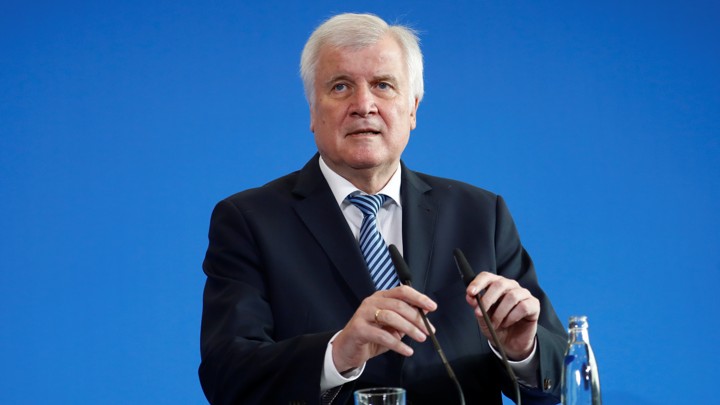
[{"x": 362, "y": 115}]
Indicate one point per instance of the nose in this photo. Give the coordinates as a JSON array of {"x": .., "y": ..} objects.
[{"x": 364, "y": 102}]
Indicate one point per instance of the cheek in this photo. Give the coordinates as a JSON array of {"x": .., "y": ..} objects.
[
  {"x": 329, "y": 119},
  {"x": 402, "y": 120}
]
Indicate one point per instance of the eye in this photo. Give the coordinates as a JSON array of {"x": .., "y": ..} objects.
[
  {"x": 384, "y": 86},
  {"x": 340, "y": 87}
]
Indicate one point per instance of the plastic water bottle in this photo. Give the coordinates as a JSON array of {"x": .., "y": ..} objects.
[{"x": 580, "y": 383}]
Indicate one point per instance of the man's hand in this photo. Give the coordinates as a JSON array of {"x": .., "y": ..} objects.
[
  {"x": 514, "y": 312},
  {"x": 379, "y": 324}
]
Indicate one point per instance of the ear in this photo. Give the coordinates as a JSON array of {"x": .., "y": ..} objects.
[
  {"x": 413, "y": 113},
  {"x": 312, "y": 120}
]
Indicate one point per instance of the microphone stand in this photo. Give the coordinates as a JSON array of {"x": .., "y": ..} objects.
[
  {"x": 468, "y": 276},
  {"x": 403, "y": 273}
]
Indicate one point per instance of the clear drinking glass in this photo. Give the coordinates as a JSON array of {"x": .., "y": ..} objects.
[{"x": 380, "y": 396}]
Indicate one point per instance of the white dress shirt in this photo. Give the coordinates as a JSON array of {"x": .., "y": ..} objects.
[{"x": 389, "y": 221}]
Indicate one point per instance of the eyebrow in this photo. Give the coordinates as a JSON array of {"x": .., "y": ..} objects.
[
  {"x": 379, "y": 78},
  {"x": 338, "y": 78},
  {"x": 386, "y": 78}
]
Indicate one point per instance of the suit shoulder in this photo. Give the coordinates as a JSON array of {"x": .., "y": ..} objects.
[
  {"x": 276, "y": 190},
  {"x": 450, "y": 187}
]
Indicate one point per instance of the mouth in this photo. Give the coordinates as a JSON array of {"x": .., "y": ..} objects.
[{"x": 364, "y": 131}]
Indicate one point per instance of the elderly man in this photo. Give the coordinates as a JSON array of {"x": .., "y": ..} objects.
[{"x": 301, "y": 303}]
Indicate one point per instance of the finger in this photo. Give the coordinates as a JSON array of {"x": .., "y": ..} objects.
[
  {"x": 506, "y": 304},
  {"x": 480, "y": 283},
  {"x": 471, "y": 300},
  {"x": 389, "y": 339},
  {"x": 403, "y": 301},
  {"x": 412, "y": 297},
  {"x": 360, "y": 341},
  {"x": 407, "y": 313},
  {"x": 495, "y": 292},
  {"x": 527, "y": 309},
  {"x": 389, "y": 319}
]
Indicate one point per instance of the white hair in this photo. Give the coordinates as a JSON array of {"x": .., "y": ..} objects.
[{"x": 357, "y": 31}]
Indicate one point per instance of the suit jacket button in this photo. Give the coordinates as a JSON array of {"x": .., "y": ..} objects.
[{"x": 547, "y": 384}]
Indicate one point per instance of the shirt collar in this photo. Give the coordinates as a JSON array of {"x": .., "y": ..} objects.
[{"x": 341, "y": 188}]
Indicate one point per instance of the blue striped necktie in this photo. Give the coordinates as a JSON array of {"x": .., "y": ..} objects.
[{"x": 372, "y": 244}]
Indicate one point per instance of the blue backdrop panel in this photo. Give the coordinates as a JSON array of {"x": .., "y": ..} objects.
[{"x": 122, "y": 123}]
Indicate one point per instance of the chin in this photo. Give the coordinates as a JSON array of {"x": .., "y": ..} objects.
[{"x": 365, "y": 161}]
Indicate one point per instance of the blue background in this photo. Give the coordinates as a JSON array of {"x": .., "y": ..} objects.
[{"x": 122, "y": 123}]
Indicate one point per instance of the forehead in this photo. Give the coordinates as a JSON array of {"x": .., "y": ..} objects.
[{"x": 383, "y": 57}]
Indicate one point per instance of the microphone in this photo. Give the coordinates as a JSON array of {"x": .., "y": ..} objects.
[
  {"x": 468, "y": 276},
  {"x": 403, "y": 273}
]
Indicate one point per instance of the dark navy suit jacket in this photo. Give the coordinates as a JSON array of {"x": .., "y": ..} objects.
[{"x": 284, "y": 274}]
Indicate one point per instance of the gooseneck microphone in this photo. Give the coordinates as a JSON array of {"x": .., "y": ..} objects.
[
  {"x": 403, "y": 273},
  {"x": 468, "y": 276}
]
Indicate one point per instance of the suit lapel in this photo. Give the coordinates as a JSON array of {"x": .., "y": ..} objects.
[
  {"x": 319, "y": 211},
  {"x": 317, "y": 208},
  {"x": 419, "y": 216}
]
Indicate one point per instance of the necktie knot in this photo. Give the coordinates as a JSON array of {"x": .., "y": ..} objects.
[{"x": 369, "y": 204}]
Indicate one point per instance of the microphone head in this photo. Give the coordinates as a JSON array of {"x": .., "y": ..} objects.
[
  {"x": 463, "y": 266},
  {"x": 401, "y": 268}
]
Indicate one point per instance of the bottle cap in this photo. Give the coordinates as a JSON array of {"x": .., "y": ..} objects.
[{"x": 578, "y": 322}]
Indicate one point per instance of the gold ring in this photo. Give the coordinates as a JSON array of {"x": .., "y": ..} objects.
[{"x": 377, "y": 321}]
